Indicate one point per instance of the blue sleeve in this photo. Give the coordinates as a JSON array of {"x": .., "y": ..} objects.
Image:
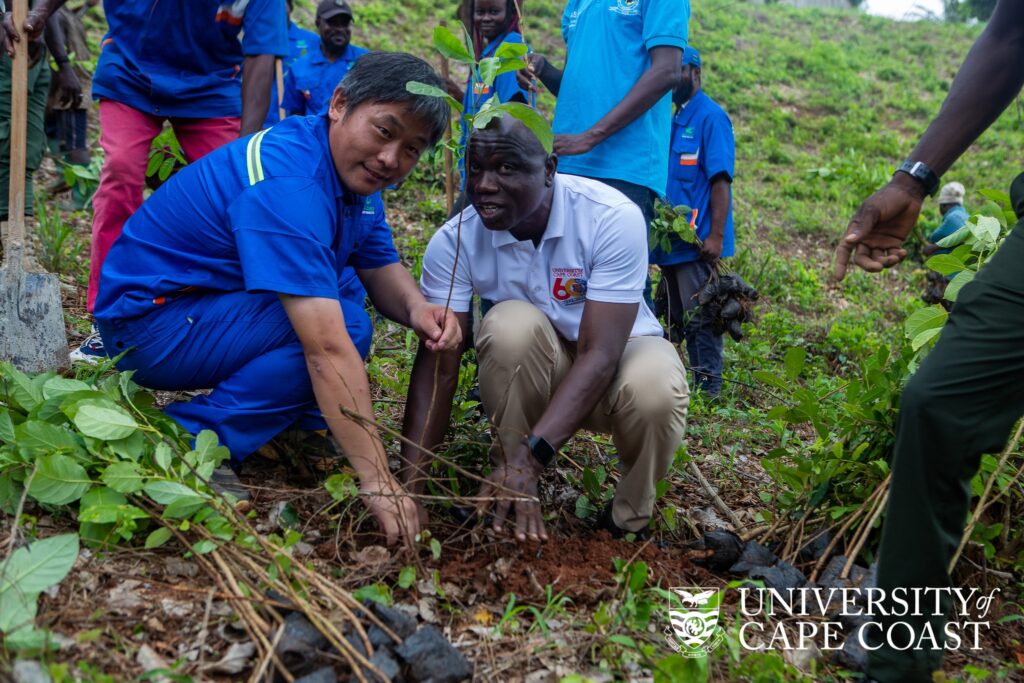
[
  {"x": 950, "y": 224},
  {"x": 293, "y": 101},
  {"x": 283, "y": 230},
  {"x": 375, "y": 248},
  {"x": 719, "y": 146},
  {"x": 666, "y": 22},
  {"x": 506, "y": 86},
  {"x": 265, "y": 28}
]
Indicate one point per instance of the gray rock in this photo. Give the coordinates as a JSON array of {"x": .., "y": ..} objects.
[
  {"x": 383, "y": 660},
  {"x": 401, "y": 623},
  {"x": 298, "y": 648},
  {"x": 432, "y": 658},
  {"x": 324, "y": 675},
  {"x": 754, "y": 555},
  {"x": 378, "y": 638}
]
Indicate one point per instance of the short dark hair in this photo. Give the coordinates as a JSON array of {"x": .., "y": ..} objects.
[{"x": 382, "y": 77}]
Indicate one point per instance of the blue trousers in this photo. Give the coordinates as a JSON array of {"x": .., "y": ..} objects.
[
  {"x": 240, "y": 344},
  {"x": 704, "y": 348}
]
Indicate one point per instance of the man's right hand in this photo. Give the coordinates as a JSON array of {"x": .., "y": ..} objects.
[
  {"x": 874, "y": 238},
  {"x": 33, "y": 27},
  {"x": 396, "y": 512},
  {"x": 519, "y": 475}
]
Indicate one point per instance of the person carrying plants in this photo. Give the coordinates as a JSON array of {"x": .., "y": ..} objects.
[
  {"x": 700, "y": 170},
  {"x": 965, "y": 398},
  {"x": 613, "y": 112},
  {"x": 310, "y": 83},
  {"x": 179, "y": 62},
  {"x": 954, "y": 215},
  {"x": 228, "y": 277},
  {"x": 569, "y": 343},
  {"x": 300, "y": 42}
]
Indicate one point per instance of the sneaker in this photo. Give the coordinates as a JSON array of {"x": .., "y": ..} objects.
[
  {"x": 224, "y": 481},
  {"x": 91, "y": 350}
]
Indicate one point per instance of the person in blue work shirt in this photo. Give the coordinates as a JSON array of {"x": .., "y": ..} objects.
[
  {"x": 613, "y": 110},
  {"x": 300, "y": 42},
  {"x": 494, "y": 22},
  {"x": 228, "y": 277},
  {"x": 177, "y": 62},
  {"x": 310, "y": 82},
  {"x": 700, "y": 169},
  {"x": 954, "y": 215}
]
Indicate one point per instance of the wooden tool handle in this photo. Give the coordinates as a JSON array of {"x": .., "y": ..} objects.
[
  {"x": 449, "y": 186},
  {"x": 279, "y": 74},
  {"x": 19, "y": 125}
]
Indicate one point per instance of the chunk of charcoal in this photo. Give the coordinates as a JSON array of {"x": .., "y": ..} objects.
[
  {"x": 735, "y": 330},
  {"x": 782, "y": 577},
  {"x": 816, "y": 547},
  {"x": 724, "y": 548},
  {"x": 707, "y": 293},
  {"x": 430, "y": 657},
  {"x": 829, "y": 576},
  {"x": 378, "y": 638},
  {"x": 324, "y": 675},
  {"x": 398, "y": 621},
  {"x": 299, "y": 645},
  {"x": 732, "y": 310},
  {"x": 383, "y": 660},
  {"x": 754, "y": 555}
]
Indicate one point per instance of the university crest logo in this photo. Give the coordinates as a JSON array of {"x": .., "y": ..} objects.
[
  {"x": 626, "y": 7},
  {"x": 694, "y": 630}
]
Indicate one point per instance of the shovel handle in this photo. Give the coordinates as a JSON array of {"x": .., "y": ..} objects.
[
  {"x": 19, "y": 125},
  {"x": 279, "y": 77}
]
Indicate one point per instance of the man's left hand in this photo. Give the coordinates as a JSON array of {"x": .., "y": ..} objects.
[
  {"x": 437, "y": 327},
  {"x": 711, "y": 249},
  {"x": 567, "y": 145}
]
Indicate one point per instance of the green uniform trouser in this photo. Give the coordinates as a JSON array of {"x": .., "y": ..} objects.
[
  {"x": 962, "y": 402},
  {"x": 38, "y": 89}
]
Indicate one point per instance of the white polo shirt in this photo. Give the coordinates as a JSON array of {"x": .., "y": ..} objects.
[{"x": 594, "y": 247}]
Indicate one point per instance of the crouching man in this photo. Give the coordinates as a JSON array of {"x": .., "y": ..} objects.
[
  {"x": 230, "y": 277},
  {"x": 569, "y": 343}
]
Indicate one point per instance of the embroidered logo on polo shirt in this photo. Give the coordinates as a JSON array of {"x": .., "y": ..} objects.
[
  {"x": 688, "y": 133},
  {"x": 627, "y": 8},
  {"x": 569, "y": 287},
  {"x": 481, "y": 88}
]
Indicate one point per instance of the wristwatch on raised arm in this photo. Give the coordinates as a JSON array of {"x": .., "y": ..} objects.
[
  {"x": 540, "y": 449},
  {"x": 920, "y": 172}
]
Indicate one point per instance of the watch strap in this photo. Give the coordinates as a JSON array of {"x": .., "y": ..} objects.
[
  {"x": 540, "y": 449},
  {"x": 922, "y": 173}
]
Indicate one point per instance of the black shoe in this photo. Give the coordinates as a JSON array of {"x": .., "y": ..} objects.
[
  {"x": 606, "y": 522},
  {"x": 224, "y": 481}
]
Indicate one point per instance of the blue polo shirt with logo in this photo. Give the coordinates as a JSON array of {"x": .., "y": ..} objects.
[
  {"x": 608, "y": 44},
  {"x": 311, "y": 81},
  {"x": 184, "y": 58},
  {"x": 702, "y": 147},
  {"x": 251, "y": 216},
  {"x": 300, "y": 41}
]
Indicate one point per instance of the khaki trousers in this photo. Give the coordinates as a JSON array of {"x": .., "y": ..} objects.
[{"x": 522, "y": 360}]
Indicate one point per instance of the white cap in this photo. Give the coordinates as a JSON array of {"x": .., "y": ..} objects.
[{"x": 952, "y": 193}]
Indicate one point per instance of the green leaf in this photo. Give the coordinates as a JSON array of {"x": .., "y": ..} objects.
[
  {"x": 26, "y": 394},
  {"x": 488, "y": 112},
  {"x": 155, "y": 159},
  {"x": 925, "y": 337},
  {"x": 163, "y": 457},
  {"x": 204, "y": 546},
  {"x": 956, "y": 238},
  {"x": 407, "y": 577},
  {"x": 341, "y": 486},
  {"x": 584, "y": 508},
  {"x": 158, "y": 538},
  {"x": 509, "y": 66},
  {"x": 377, "y": 592},
  {"x": 59, "y": 480},
  {"x": 40, "y": 565},
  {"x": 418, "y": 88},
  {"x": 45, "y": 438},
  {"x": 166, "y": 492},
  {"x": 511, "y": 50},
  {"x": 488, "y": 69},
  {"x": 10, "y": 493},
  {"x": 532, "y": 119},
  {"x": 106, "y": 423},
  {"x": 183, "y": 507},
  {"x": 61, "y": 386},
  {"x": 985, "y": 229},
  {"x": 209, "y": 450},
  {"x": 794, "y": 362},
  {"x": 130, "y": 448},
  {"x": 124, "y": 477},
  {"x": 435, "y": 548},
  {"x": 771, "y": 380},
  {"x": 166, "y": 168},
  {"x": 946, "y": 264},
  {"x": 958, "y": 283},
  {"x": 925, "y": 319},
  {"x": 6, "y": 426},
  {"x": 453, "y": 47}
]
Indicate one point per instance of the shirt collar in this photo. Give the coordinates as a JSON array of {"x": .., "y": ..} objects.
[
  {"x": 555, "y": 227},
  {"x": 320, "y": 58}
]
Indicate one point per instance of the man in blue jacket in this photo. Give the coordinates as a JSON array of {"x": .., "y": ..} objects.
[
  {"x": 311, "y": 81},
  {"x": 300, "y": 43},
  {"x": 700, "y": 168}
]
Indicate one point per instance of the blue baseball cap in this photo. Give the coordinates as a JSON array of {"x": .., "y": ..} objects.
[{"x": 691, "y": 56}]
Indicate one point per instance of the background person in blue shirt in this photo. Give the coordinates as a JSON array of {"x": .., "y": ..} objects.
[
  {"x": 613, "y": 111},
  {"x": 954, "y": 215},
  {"x": 228, "y": 276},
  {"x": 700, "y": 168},
  {"x": 300, "y": 42},
  {"x": 311, "y": 81}
]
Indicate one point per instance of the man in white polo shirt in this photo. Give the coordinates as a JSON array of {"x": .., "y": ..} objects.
[{"x": 568, "y": 343}]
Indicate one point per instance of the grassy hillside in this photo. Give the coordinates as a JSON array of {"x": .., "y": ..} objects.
[{"x": 824, "y": 105}]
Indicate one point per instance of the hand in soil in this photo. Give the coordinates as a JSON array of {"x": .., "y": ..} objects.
[
  {"x": 397, "y": 513},
  {"x": 517, "y": 477}
]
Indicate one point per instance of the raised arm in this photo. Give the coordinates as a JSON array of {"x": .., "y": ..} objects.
[{"x": 986, "y": 83}]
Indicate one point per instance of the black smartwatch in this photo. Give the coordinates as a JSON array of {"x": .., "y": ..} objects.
[
  {"x": 924, "y": 175},
  {"x": 541, "y": 449}
]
